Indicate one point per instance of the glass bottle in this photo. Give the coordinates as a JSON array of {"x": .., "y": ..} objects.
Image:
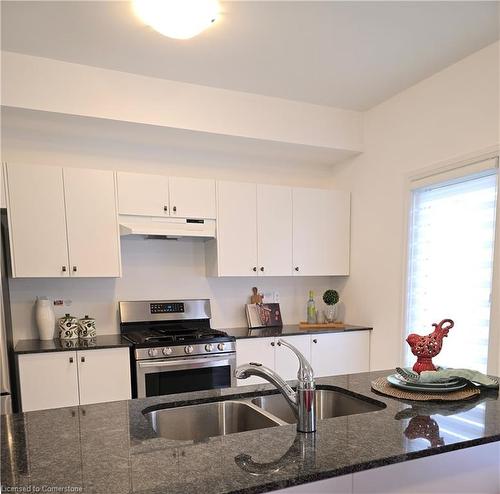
[{"x": 311, "y": 309}]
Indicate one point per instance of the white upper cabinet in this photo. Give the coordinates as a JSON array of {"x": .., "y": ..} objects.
[
  {"x": 269, "y": 230},
  {"x": 93, "y": 237},
  {"x": 236, "y": 229},
  {"x": 274, "y": 230},
  {"x": 192, "y": 198},
  {"x": 141, "y": 194},
  {"x": 321, "y": 231},
  {"x": 157, "y": 195},
  {"x": 63, "y": 222},
  {"x": 37, "y": 221}
]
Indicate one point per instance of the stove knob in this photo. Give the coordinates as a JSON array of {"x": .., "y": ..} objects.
[
  {"x": 188, "y": 349},
  {"x": 152, "y": 352},
  {"x": 220, "y": 346},
  {"x": 209, "y": 347},
  {"x": 167, "y": 351}
]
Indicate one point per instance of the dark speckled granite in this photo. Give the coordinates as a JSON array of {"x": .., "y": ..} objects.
[
  {"x": 288, "y": 330},
  {"x": 100, "y": 341},
  {"x": 111, "y": 447}
]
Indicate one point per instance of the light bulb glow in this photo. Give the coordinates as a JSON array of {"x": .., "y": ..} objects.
[{"x": 180, "y": 19}]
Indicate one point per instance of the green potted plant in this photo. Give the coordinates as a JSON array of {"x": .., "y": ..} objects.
[{"x": 331, "y": 298}]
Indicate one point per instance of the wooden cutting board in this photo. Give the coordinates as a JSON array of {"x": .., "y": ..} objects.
[{"x": 326, "y": 325}]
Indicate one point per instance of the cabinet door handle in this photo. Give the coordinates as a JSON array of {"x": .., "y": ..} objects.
[
  {"x": 296, "y": 268},
  {"x": 315, "y": 341},
  {"x": 63, "y": 269},
  {"x": 165, "y": 208},
  {"x": 74, "y": 269},
  {"x": 254, "y": 269},
  {"x": 272, "y": 343},
  {"x": 82, "y": 359},
  {"x": 262, "y": 268},
  {"x": 175, "y": 209},
  {"x": 71, "y": 360}
]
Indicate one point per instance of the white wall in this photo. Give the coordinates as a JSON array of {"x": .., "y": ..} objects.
[
  {"x": 159, "y": 269},
  {"x": 453, "y": 113}
]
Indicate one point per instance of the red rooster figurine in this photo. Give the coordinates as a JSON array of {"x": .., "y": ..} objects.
[{"x": 426, "y": 347}]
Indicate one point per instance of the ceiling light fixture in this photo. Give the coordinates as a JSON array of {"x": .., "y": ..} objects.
[{"x": 180, "y": 19}]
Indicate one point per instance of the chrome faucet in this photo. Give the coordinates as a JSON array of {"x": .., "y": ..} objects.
[{"x": 302, "y": 401}]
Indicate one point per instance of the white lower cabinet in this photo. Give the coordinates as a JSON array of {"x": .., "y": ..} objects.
[
  {"x": 61, "y": 379},
  {"x": 103, "y": 375},
  {"x": 254, "y": 350},
  {"x": 48, "y": 380},
  {"x": 340, "y": 353},
  {"x": 286, "y": 364},
  {"x": 329, "y": 354}
]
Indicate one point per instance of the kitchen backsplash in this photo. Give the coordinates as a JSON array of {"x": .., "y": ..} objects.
[{"x": 161, "y": 269}]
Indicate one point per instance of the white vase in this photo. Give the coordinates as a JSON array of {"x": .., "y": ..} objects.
[{"x": 45, "y": 318}]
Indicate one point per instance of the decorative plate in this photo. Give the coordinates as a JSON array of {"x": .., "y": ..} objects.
[
  {"x": 451, "y": 380},
  {"x": 447, "y": 387}
]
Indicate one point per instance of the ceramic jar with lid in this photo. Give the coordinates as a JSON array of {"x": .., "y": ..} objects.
[
  {"x": 68, "y": 327},
  {"x": 86, "y": 328}
]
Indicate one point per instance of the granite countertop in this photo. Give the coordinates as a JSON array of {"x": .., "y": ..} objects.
[
  {"x": 56, "y": 345},
  {"x": 116, "y": 340},
  {"x": 111, "y": 447},
  {"x": 288, "y": 330}
]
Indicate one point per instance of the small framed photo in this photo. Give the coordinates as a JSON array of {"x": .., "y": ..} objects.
[{"x": 264, "y": 315}]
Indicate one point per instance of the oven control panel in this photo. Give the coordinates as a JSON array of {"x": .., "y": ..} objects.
[{"x": 166, "y": 307}]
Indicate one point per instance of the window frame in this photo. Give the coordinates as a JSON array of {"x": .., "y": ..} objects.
[{"x": 440, "y": 172}]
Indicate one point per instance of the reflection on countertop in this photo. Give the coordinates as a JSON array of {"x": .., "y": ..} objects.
[{"x": 111, "y": 447}]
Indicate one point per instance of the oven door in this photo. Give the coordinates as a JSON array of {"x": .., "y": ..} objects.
[{"x": 169, "y": 376}]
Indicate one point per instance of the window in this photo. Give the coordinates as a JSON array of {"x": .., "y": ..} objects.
[{"x": 451, "y": 247}]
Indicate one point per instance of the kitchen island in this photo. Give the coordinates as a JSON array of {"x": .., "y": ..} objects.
[{"x": 112, "y": 447}]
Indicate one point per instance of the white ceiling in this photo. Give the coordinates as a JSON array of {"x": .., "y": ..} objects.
[{"x": 344, "y": 54}]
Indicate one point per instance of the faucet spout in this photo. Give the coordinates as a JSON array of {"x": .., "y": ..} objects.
[
  {"x": 302, "y": 402},
  {"x": 305, "y": 374}
]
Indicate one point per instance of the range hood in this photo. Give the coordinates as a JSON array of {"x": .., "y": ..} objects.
[{"x": 166, "y": 227}]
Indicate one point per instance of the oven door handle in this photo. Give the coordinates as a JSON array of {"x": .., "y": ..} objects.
[{"x": 189, "y": 363}]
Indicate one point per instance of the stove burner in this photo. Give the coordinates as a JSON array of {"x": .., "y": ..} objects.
[
  {"x": 171, "y": 336},
  {"x": 159, "y": 339}
]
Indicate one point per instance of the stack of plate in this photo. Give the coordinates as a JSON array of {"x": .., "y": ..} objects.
[{"x": 448, "y": 386}]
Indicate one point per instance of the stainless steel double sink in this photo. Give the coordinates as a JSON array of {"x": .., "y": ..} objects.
[{"x": 198, "y": 422}]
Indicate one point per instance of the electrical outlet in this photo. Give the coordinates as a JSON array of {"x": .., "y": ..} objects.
[{"x": 276, "y": 297}]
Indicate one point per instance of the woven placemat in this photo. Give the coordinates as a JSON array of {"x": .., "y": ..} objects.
[{"x": 383, "y": 386}]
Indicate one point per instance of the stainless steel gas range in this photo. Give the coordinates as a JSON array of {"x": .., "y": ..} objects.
[{"x": 174, "y": 348}]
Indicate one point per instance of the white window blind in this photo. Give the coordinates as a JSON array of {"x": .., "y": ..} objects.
[{"x": 451, "y": 265}]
